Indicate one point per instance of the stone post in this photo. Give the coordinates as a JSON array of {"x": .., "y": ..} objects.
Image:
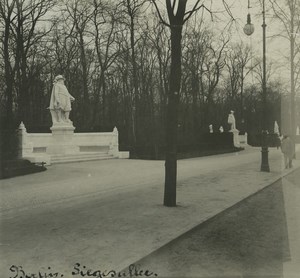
[
  {"x": 114, "y": 144},
  {"x": 24, "y": 146}
]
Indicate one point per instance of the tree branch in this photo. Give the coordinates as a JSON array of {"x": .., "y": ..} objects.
[
  {"x": 159, "y": 14},
  {"x": 195, "y": 9}
]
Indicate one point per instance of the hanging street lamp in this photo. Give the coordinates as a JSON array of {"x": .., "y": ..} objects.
[{"x": 249, "y": 27}]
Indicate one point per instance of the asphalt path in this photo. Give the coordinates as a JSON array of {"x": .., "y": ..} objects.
[
  {"x": 109, "y": 213},
  {"x": 79, "y": 182},
  {"x": 258, "y": 237}
]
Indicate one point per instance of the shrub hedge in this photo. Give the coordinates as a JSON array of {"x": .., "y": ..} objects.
[
  {"x": 8, "y": 144},
  {"x": 208, "y": 144},
  {"x": 273, "y": 140}
]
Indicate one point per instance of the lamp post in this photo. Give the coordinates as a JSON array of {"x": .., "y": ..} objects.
[{"x": 248, "y": 30}]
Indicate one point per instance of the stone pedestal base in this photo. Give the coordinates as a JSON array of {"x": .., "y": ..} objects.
[
  {"x": 236, "y": 140},
  {"x": 40, "y": 159},
  {"x": 62, "y": 140},
  {"x": 243, "y": 140},
  {"x": 63, "y": 145}
]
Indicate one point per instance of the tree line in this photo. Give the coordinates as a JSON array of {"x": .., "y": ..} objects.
[{"x": 115, "y": 56}]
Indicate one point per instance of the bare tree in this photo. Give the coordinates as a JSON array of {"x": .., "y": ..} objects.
[
  {"x": 21, "y": 34},
  {"x": 196, "y": 40},
  {"x": 6, "y": 14},
  {"x": 237, "y": 62},
  {"x": 106, "y": 17},
  {"x": 288, "y": 13},
  {"x": 213, "y": 67},
  {"x": 79, "y": 15},
  {"x": 177, "y": 17},
  {"x": 133, "y": 10}
]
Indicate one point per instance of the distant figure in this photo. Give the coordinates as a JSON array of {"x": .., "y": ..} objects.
[
  {"x": 287, "y": 149},
  {"x": 211, "y": 129},
  {"x": 221, "y": 129},
  {"x": 231, "y": 120},
  {"x": 60, "y": 102}
]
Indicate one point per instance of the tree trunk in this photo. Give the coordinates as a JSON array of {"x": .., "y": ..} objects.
[
  {"x": 172, "y": 118},
  {"x": 85, "y": 107},
  {"x": 293, "y": 118},
  {"x": 8, "y": 76},
  {"x": 134, "y": 79}
]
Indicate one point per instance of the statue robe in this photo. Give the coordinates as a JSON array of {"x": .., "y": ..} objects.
[{"x": 60, "y": 98}]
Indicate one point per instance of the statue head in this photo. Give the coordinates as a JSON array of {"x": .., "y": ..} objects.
[{"x": 58, "y": 78}]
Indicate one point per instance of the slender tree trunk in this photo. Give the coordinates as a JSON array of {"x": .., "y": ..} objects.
[
  {"x": 172, "y": 118},
  {"x": 134, "y": 79},
  {"x": 195, "y": 91},
  {"x": 104, "y": 102},
  {"x": 8, "y": 76},
  {"x": 85, "y": 106},
  {"x": 293, "y": 118},
  {"x": 25, "y": 112}
]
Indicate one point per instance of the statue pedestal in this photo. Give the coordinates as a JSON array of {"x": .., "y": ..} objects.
[
  {"x": 63, "y": 145},
  {"x": 236, "y": 140},
  {"x": 62, "y": 139}
]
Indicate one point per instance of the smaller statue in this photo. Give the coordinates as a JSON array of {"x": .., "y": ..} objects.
[
  {"x": 231, "y": 120},
  {"x": 60, "y": 102},
  {"x": 221, "y": 129},
  {"x": 276, "y": 128},
  {"x": 211, "y": 129}
]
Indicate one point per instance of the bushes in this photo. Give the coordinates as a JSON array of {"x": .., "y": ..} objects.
[
  {"x": 208, "y": 144},
  {"x": 10, "y": 166},
  {"x": 8, "y": 144},
  {"x": 18, "y": 167},
  {"x": 273, "y": 140}
]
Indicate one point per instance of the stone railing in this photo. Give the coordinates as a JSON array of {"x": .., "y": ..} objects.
[
  {"x": 243, "y": 140},
  {"x": 41, "y": 147}
]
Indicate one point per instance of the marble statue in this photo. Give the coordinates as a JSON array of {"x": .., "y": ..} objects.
[
  {"x": 60, "y": 102},
  {"x": 221, "y": 129},
  {"x": 276, "y": 128},
  {"x": 211, "y": 129},
  {"x": 231, "y": 120}
]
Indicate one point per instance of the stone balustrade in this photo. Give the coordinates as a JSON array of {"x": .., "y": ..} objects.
[{"x": 64, "y": 143}]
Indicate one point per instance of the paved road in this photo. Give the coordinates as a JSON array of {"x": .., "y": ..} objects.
[
  {"x": 63, "y": 183},
  {"x": 109, "y": 213},
  {"x": 258, "y": 237}
]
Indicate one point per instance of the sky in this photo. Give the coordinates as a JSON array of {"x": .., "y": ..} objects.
[{"x": 276, "y": 47}]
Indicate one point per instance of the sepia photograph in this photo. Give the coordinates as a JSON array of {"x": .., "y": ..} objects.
[{"x": 150, "y": 138}]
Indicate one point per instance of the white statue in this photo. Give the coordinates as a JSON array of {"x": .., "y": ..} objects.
[
  {"x": 211, "y": 129},
  {"x": 221, "y": 129},
  {"x": 297, "y": 131},
  {"x": 231, "y": 120},
  {"x": 276, "y": 128},
  {"x": 60, "y": 102}
]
